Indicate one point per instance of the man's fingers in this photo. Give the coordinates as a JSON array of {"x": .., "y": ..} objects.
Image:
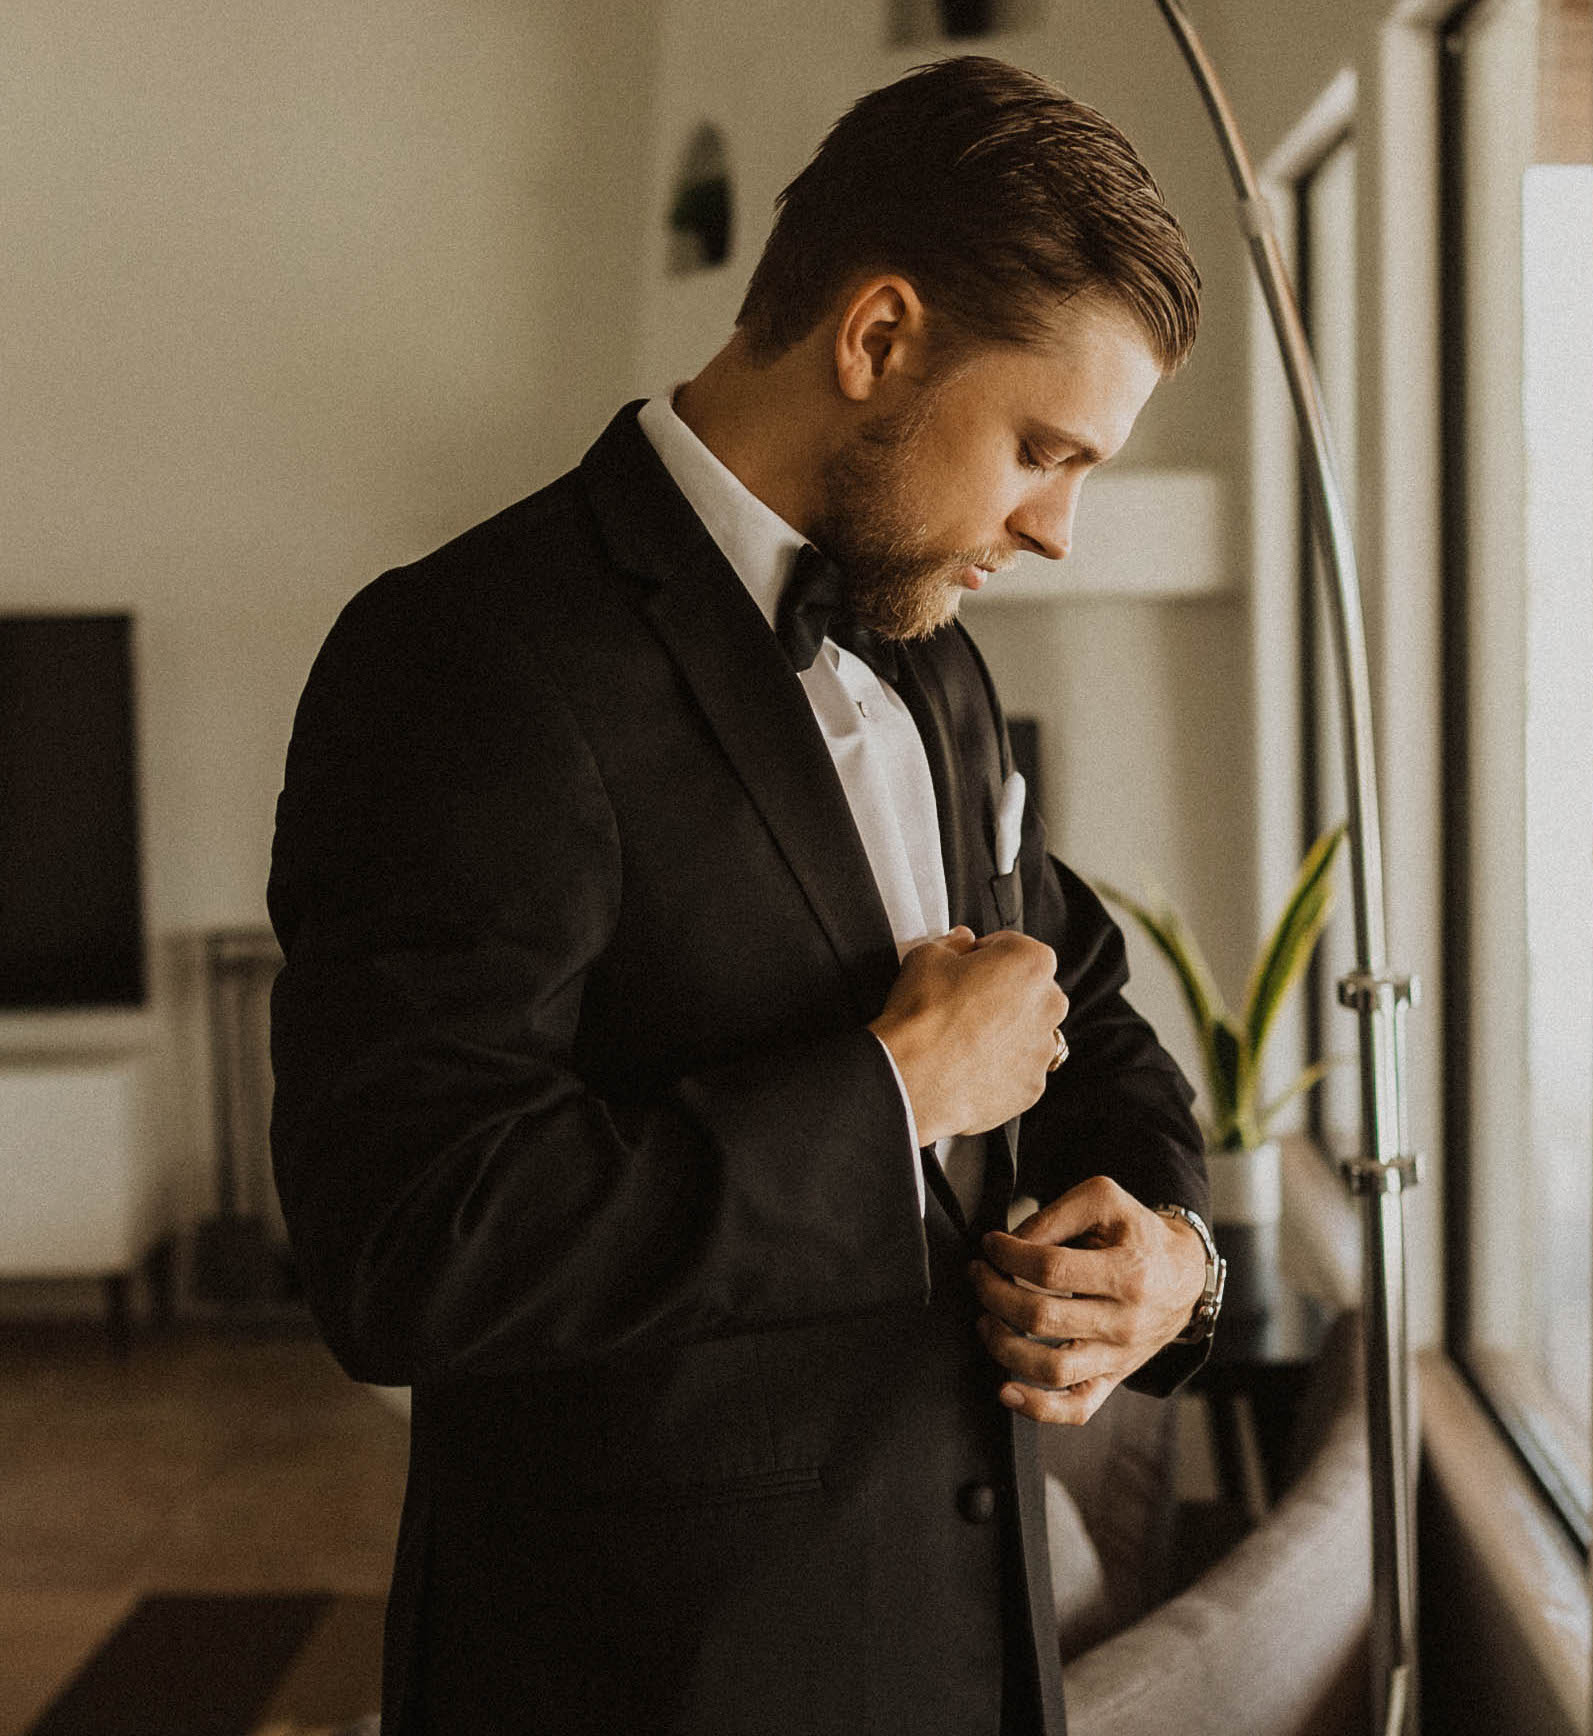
[
  {"x": 1052, "y": 1366},
  {"x": 1097, "y": 1207},
  {"x": 957, "y": 941},
  {"x": 1038, "y": 1312},
  {"x": 970, "y": 1024},
  {"x": 1076, "y": 1405},
  {"x": 1114, "y": 1300},
  {"x": 1066, "y": 1271}
]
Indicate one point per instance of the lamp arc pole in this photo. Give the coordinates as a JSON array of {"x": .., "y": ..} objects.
[{"x": 1379, "y": 998}]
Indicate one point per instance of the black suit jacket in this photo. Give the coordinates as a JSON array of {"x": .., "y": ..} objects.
[{"x": 579, "y": 1131}]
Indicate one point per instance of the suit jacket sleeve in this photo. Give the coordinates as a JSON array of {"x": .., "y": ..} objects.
[{"x": 446, "y": 869}]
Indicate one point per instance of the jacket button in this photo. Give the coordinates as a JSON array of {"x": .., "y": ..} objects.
[{"x": 977, "y": 1503}]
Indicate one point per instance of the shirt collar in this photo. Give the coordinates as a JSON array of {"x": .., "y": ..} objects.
[{"x": 756, "y": 541}]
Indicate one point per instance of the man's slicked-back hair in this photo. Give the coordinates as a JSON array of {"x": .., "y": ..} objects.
[{"x": 995, "y": 195}]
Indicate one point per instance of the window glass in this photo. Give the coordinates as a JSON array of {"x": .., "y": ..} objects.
[{"x": 1519, "y": 81}]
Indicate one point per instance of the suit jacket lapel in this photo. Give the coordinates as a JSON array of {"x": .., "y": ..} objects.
[
  {"x": 943, "y": 687},
  {"x": 923, "y": 692},
  {"x": 747, "y": 691}
]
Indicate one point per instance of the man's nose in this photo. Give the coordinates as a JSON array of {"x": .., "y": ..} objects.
[{"x": 1044, "y": 523}]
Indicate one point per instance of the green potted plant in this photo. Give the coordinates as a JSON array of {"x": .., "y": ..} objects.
[{"x": 1243, "y": 1160}]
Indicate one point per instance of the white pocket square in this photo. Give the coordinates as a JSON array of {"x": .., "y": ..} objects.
[{"x": 1009, "y": 823}]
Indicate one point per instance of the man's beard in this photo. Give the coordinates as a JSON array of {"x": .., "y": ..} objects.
[{"x": 899, "y": 583}]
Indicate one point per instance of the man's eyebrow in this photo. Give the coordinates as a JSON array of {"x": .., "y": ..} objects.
[{"x": 1048, "y": 435}]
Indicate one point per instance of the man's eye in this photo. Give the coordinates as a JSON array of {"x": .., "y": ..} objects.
[{"x": 1032, "y": 460}]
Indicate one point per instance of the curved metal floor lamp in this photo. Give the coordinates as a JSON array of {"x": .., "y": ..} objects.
[{"x": 1378, "y": 998}]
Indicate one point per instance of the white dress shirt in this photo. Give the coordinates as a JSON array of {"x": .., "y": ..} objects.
[{"x": 878, "y": 753}]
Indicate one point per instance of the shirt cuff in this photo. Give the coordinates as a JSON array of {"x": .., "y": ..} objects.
[{"x": 912, "y": 1122}]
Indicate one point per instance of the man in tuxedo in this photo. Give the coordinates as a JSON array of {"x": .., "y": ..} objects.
[{"x": 679, "y": 994}]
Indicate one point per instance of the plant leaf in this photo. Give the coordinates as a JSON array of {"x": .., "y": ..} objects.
[
  {"x": 1179, "y": 947},
  {"x": 1309, "y": 1076},
  {"x": 1227, "y": 1071},
  {"x": 1289, "y": 946}
]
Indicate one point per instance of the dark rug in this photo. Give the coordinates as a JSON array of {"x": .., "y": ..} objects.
[{"x": 229, "y": 1666}]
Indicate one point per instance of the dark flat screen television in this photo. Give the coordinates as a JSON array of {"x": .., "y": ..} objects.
[{"x": 71, "y": 922}]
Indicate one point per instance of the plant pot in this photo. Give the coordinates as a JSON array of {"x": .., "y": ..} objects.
[
  {"x": 1246, "y": 1207},
  {"x": 1246, "y": 1186}
]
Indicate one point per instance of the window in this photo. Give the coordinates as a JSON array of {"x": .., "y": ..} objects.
[{"x": 1518, "y": 250}]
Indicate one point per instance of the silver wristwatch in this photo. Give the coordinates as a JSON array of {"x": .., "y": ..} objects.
[{"x": 1203, "y": 1321}]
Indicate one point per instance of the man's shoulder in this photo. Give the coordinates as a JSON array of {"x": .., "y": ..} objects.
[
  {"x": 555, "y": 552},
  {"x": 511, "y": 555},
  {"x": 494, "y": 611}
]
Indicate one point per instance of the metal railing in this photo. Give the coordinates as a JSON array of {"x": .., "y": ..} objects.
[{"x": 1378, "y": 997}]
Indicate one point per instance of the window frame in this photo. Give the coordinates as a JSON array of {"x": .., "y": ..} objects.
[{"x": 1495, "y": 1378}]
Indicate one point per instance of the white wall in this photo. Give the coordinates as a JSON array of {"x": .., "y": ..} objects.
[{"x": 288, "y": 294}]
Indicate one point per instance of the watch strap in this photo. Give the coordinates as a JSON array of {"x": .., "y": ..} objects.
[{"x": 1203, "y": 1320}]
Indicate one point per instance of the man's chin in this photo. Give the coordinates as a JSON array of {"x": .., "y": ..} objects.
[
  {"x": 911, "y": 609},
  {"x": 927, "y": 620},
  {"x": 915, "y": 630}
]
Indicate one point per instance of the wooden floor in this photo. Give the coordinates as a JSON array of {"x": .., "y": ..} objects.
[{"x": 207, "y": 1461}]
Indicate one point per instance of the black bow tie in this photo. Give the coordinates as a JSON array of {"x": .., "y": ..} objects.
[{"x": 813, "y": 607}]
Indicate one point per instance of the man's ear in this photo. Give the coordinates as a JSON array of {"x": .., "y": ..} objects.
[{"x": 881, "y": 332}]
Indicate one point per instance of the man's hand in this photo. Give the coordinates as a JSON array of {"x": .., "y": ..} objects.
[
  {"x": 1125, "y": 1287},
  {"x": 971, "y": 1027}
]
